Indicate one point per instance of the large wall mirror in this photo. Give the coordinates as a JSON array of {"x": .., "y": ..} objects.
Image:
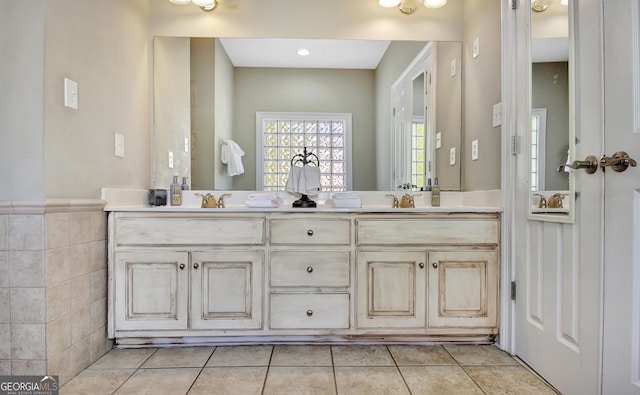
[
  {"x": 551, "y": 136},
  {"x": 204, "y": 93}
]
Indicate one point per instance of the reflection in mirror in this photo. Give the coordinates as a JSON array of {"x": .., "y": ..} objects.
[
  {"x": 224, "y": 98},
  {"x": 418, "y": 137},
  {"x": 550, "y": 138}
]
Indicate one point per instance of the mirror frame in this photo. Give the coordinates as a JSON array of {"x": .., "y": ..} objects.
[{"x": 571, "y": 198}]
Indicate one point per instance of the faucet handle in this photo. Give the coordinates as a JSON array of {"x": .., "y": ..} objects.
[
  {"x": 396, "y": 203},
  {"x": 221, "y": 200}
]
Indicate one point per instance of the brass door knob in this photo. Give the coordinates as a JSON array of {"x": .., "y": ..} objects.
[{"x": 618, "y": 162}]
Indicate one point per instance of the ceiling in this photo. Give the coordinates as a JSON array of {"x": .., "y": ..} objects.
[{"x": 333, "y": 54}]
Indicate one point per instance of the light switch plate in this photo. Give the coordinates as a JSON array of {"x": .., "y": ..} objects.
[
  {"x": 170, "y": 160},
  {"x": 474, "y": 149},
  {"x": 438, "y": 140},
  {"x": 452, "y": 156},
  {"x": 119, "y": 150},
  {"x": 476, "y": 47},
  {"x": 186, "y": 144},
  {"x": 453, "y": 67},
  {"x": 70, "y": 94},
  {"x": 497, "y": 114}
]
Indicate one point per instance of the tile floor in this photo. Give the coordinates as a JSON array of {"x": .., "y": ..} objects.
[{"x": 318, "y": 369}]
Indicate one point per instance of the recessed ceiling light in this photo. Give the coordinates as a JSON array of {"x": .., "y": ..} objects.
[{"x": 303, "y": 52}]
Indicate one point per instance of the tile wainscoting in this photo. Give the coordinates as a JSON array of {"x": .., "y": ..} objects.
[{"x": 53, "y": 287}]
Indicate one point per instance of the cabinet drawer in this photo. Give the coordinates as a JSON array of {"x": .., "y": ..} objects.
[
  {"x": 317, "y": 231},
  {"x": 189, "y": 231},
  {"x": 427, "y": 231},
  {"x": 309, "y": 311},
  {"x": 310, "y": 269}
]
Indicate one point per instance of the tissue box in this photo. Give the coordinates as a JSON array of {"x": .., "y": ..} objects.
[{"x": 157, "y": 197}]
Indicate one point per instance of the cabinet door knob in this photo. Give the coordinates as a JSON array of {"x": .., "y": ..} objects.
[
  {"x": 421, "y": 264},
  {"x": 181, "y": 266},
  {"x": 309, "y": 313},
  {"x": 435, "y": 265},
  {"x": 310, "y": 232},
  {"x": 310, "y": 269},
  {"x": 195, "y": 265}
]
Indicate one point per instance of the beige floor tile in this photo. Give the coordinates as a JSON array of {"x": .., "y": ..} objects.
[
  {"x": 183, "y": 357},
  {"x": 96, "y": 382},
  {"x": 450, "y": 380},
  {"x": 515, "y": 380},
  {"x": 123, "y": 358},
  {"x": 480, "y": 355},
  {"x": 159, "y": 381},
  {"x": 301, "y": 356},
  {"x": 361, "y": 356},
  {"x": 241, "y": 356},
  {"x": 230, "y": 380},
  {"x": 369, "y": 380},
  {"x": 421, "y": 355},
  {"x": 300, "y": 381}
]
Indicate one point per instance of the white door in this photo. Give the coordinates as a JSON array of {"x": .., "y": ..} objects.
[
  {"x": 621, "y": 333},
  {"x": 558, "y": 265}
]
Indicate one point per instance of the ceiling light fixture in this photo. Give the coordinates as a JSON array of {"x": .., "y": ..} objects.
[
  {"x": 303, "y": 52},
  {"x": 410, "y": 6},
  {"x": 205, "y": 5}
]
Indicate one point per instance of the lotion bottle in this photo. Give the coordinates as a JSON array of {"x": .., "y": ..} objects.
[
  {"x": 435, "y": 193},
  {"x": 184, "y": 186},
  {"x": 175, "y": 192}
]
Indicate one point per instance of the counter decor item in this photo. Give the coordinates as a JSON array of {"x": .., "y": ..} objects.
[
  {"x": 304, "y": 178},
  {"x": 175, "y": 192}
]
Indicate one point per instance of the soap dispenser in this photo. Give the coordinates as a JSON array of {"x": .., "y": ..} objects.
[
  {"x": 435, "y": 193},
  {"x": 175, "y": 192},
  {"x": 184, "y": 186}
]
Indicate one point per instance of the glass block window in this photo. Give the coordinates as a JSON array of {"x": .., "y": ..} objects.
[
  {"x": 280, "y": 136},
  {"x": 417, "y": 153}
]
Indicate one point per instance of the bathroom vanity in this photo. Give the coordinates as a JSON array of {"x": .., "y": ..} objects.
[{"x": 243, "y": 275}]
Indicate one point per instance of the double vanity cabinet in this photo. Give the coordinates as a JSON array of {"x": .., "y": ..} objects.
[{"x": 203, "y": 276}]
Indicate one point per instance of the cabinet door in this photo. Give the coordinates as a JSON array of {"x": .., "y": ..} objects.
[
  {"x": 391, "y": 289},
  {"x": 151, "y": 290},
  {"x": 463, "y": 289},
  {"x": 226, "y": 290}
]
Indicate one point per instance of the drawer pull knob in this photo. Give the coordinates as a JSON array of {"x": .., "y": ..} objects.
[
  {"x": 309, "y": 313},
  {"x": 195, "y": 265},
  {"x": 181, "y": 266},
  {"x": 421, "y": 264},
  {"x": 310, "y": 269},
  {"x": 310, "y": 232},
  {"x": 435, "y": 265}
]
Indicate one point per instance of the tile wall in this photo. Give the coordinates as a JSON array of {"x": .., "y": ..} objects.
[{"x": 53, "y": 292}]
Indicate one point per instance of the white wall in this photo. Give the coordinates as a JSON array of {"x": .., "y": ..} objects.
[
  {"x": 21, "y": 100},
  {"x": 223, "y": 107}
]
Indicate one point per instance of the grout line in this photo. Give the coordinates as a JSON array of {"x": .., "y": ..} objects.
[
  {"x": 134, "y": 370},
  {"x": 333, "y": 369},
  {"x": 399, "y": 371},
  {"x": 201, "y": 369},
  {"x": 463, "y": 369},
  {"x": 264, "y": 382}
]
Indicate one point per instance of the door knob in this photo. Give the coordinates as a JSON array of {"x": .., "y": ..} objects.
[
  {"x": 181, "y": 266},
  {"x": 590, "y": 165},
  {"x": 195, "y": 265},
  {"x": 618, "y": 162}
]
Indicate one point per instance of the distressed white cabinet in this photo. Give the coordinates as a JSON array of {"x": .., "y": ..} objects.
[
  {"x": 463, "y": 288},
  {"x": 151, "y": 289},
  {"x": 226, "y": 289},
  {"x": 391, "y": 289},
  {"x": 291, "y": 275}
]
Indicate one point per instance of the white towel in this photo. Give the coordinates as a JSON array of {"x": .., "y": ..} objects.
[
  {"x": 346, "y": 200},
  {"x": 304, "y": 180},
  {"x": 312, "y": 179},
  {"x": 293, "y": 182},
  {"x": 231, "y": 156},
  {"x": 263, "y": 200}
]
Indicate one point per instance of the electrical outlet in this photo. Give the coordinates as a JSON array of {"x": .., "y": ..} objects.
[
  {"x": 476, "y": 47},
  {"x": 170, "y": 160},
  {"x": 70, "y": 94},
  {"x": 186, "y": 144},
  {"x": 474, "y": 149},
  {"x": 438, "y": 140},
  {"x": 497, "y": 114},
  {"x": 452, "y": 156},
  {"x": 119, "y": 144},
  {"x": 453, "y": 67}
]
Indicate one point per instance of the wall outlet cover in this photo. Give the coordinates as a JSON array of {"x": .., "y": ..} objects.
[
  {"x": 476, "y": 47},
  {"x": 453, "y": 67},
  {"x": 119, "y": 143},
  {"x": 186, "y": 144},
  {"x": 452, "y": 156},
  {"x": 497, "y": 114},
  {"x": 170, "y": 160},
  {"x": 438, "y": 140},
  {"x": 70, "y": 94},
  {"x": 474, "y": 150}
]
